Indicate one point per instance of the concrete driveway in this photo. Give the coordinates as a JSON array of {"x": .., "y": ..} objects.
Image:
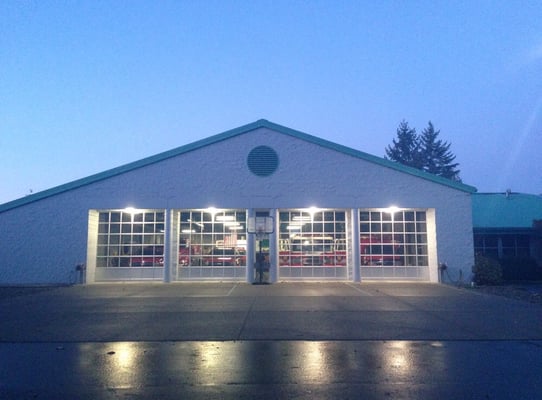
[
  {"x": 284, "y": 311},
  {"x": 288, "y": 340}
]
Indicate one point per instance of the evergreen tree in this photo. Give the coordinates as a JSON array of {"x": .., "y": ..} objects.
[
  {"x": 406, "y": 149},
  {"x": 436, "y": 155},
  {"x": 426, "y": 151}
]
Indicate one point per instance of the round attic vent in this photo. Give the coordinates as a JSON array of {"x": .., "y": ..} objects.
[{"x": 262, "y": 161}]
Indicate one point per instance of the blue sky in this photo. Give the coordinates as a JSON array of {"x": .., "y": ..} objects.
[{"x": 86, "y": 86}]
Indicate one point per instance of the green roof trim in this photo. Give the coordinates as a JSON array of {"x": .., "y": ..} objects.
[
  {"x": 505, "y": 210},
  {"x": 262, "y": 123},
  {"x": 369, "y": 157}
]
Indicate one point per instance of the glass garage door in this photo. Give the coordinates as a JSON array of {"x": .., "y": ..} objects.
[
  {"x": 393, "y": 244},
  {"x": 212, "y": 244},
  {"x": 312, "y": 244},
  {"x": 130, "y": 245}
]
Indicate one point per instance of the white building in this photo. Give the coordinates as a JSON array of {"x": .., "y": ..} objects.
[{"x": 187, "y": 214}]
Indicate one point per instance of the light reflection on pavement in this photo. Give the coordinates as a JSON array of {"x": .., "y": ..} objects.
[{"x": 271, "y": 369}]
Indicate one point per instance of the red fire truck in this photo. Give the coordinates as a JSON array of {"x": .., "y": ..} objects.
[
  {"x": 317, "y": 249},
  {"x": 312, "y": 249},
  {"x": 196, "y": 255},
  {"x": 380, "y": 250},
  {"x": 152, "y": 257},
  {"x": 324, "y": 250}
]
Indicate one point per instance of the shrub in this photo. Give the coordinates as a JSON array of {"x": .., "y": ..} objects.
[
  {"x": 487, "y": 271},
  {"x": 520, "y": 269}
]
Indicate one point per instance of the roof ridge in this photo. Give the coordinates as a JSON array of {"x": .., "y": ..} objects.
[{"x": 370, "y": 157}]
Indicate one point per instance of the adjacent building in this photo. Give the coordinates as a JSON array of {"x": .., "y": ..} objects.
[{"x": 508, "y": 225}]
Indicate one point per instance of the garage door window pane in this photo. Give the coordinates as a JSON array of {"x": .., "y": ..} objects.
[
  {"x": 216, "y": 238},
  {"x": 312, "y": 240},
  {"x": 393, "y": 239},
  {"x": 122, "y": 242}
]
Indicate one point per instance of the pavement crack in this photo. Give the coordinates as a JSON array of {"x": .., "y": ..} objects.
[
  {"x": 231, "y": 290},
  {"x": 249, "y": 311}
]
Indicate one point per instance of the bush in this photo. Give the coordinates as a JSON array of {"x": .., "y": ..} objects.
[
  {"x": 487, "y": 271},
  {"x": 520, "y": 269}
]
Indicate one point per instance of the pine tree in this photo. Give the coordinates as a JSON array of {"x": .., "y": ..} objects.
[
  {"x": 426, "y": 151},
  {"x": 406, "y": 149},
  {"x": 436, "y": 155}
]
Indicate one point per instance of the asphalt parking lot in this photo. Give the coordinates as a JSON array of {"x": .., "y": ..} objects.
[{"x": 287, "y": 340}]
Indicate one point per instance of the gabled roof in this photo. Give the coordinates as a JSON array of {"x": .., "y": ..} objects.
[
  {"x": 262, "y": 123},
  {"x": 505, "y": 210}
]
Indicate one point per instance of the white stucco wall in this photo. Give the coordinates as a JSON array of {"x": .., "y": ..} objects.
[{"x": 44, "y": 240}]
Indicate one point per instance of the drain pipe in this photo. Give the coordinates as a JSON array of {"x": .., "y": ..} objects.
[
  {"x": 441, "y": 268},
  {"x": 81, "y": 271}
]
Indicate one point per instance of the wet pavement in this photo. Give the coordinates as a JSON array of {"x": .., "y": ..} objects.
[{"x": 288, "y": 340}]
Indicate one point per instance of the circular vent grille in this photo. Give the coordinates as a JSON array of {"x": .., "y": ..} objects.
[{"x": 262, "y": 161}]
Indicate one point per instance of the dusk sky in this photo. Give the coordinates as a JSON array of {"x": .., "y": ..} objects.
[{"x": 86, "y": 86}]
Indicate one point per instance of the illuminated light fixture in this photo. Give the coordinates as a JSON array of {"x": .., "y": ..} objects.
[
  {"x": 313, "y": 210},
  {"x": 392, "y": 209},
  {"x": 293, "y": 227},
  {"x": 301, "y": 218},
  {"x": 317, "y": 237},
  {"x": 231, "y": 223},
  {"x": 130, "y": 210},
  {"x": 188, "y": 231},
  {"x": 225, "y": 218},
  {"x": 212, "y": 210}
]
